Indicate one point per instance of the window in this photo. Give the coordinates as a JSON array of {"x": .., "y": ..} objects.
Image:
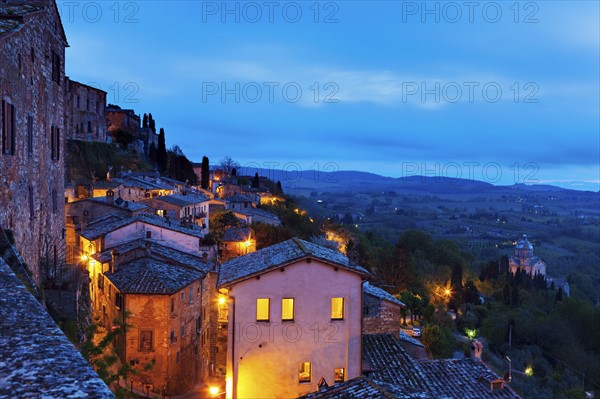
[
  {"x": 89, "y": 127},
  {"x": 31, "y": 210},
  {"x": 182, "y": 329},
  {"x": 101, "y": 282},
  {"x": 55, "y": 143},
  {"x": 8, "y": 128},
  {"x": 56, "y": 67},
  {"x": 183, "y": 296},
  {"x": 118, "y": 300},
  {"x": 172, "y": 305},
  {"x": 287, "y": 309},
  {"x": 146, "y": 340},
  {"x": 29, "y": 134},
  {"x": 339, "y": 374},
  {"x": 304, "y": 371},
  {"x": 172, "y": 337},
  {"x": 191, "y": 294},
  {"x": 198, "y": 325},
  {"x": 262, "y": 309},
  {"x": 78, "y": 105},
  {"x": 148, "y": 234},
  {"x": 337, "y": 308}
]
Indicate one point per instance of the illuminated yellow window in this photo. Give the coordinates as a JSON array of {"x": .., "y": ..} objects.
[
  {"x": 287, "y": 309},
  {"x": 304, "y": 371},
  {"x": 337, "y": 308},
  {"x": 262, "y": 309},
  {"x": 339, "y": 375}
]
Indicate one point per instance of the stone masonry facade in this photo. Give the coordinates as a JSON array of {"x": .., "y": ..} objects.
[
  {"x": 86, "y": 112},
  {"x": 32, "y": 128}
]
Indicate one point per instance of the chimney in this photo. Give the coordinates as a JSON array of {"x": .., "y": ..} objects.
[
  {"x": 114, "y": 254},
  {"x": 148, "y": 248},
  {"x": 476, "y": 351}
]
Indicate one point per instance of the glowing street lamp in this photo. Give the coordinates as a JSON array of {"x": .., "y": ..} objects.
[
  {"x": 214, "y": 390},
  {"x": 221, "y": 300},
  {"x": 471, "y": 332},
  {"x": 529, "y": 371}
]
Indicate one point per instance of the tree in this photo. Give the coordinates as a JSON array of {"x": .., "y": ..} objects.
[
  {"x": 151, "y": 123},
  {"x": 506, "y": 293},
  {"x": 438, "y": 340},
  {"x": 234, "y": 172},
  {"x": 145, "y": 121},
  {"x": 278, "y": 189},
  {"x": 179, "y": 167},
  {"x": 471, "y": 293},
  {"x": 227, "y": 165},
  {"x": 205, "y": 173},
  {"x": 559, "y": 295},
  {"x": 255, "y": 181},
  {"x": 152, "y": 153},
  {"x": 161, "y": 151}
]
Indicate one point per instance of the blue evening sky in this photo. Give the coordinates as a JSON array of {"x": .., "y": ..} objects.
[{"x": 497, "y": 91}]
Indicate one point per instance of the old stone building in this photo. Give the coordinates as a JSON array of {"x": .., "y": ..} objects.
[
  {"x": 32, "y": 130},
  {"x": 167, "y": 299},
  {"x": 381, "y": 311},
  {"x": 124, "y": 120},
  {"x": 85, "y": 112}
]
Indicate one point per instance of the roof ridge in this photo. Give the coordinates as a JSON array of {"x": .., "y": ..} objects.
[{"x": 301, "y": 245}]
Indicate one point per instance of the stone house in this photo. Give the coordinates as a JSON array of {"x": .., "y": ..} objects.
[
  {"x": 32, "y": 131},
  {"x": 188, "y": 208},
  {"x": 113, "y": 230},
  {"x": 168, "y": 301},
  {"x": 237, "y": 241},
  {"x": 381, "y": 311},
  {"x": 294, "y": 312},
  {"x": 85, "y": 112}
]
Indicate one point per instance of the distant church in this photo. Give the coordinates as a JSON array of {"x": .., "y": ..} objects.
[{"x": 525, "y": 260}]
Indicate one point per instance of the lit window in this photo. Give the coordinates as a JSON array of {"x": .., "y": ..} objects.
[
  {"x": 338, "y": 375},
  {"x": 337, "y": 308},
  {"x": 262, "y": 309},
  {"x": 304, "y": 371},
  {"x": 287, "y": 309}
]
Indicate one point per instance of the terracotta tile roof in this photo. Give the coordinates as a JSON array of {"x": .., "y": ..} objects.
[
  {"x": 389, "y": 362},
  {"x": 36, "y": 358},
  {"x": 119, "y": 203},
  {"x": 445, "y": 378},
  {"x": 150, "y": 276},
  {"x": 182, "y": 200},
  {"x": 157, "y": 251},
  {"x": 463, "y": 379},
  {"x": 238, "y": 198},
  {"x": 100, "y": 229},
  {"x": 380, "y": 293},
  {"x": 364, "y": 388},
  {"x": 106, "y": 184},
  {"x": 234, "y": 234},
  {"x": 276, "y": 255},
  {"x": 257, "y": 212}
]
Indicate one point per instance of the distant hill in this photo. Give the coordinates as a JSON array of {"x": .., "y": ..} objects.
[{"x": 301, "y": 182}]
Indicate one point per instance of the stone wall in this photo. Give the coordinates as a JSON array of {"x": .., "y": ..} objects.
[
  {"x": 32, "y": 82},
  {"x": 85, "y": 109},
  {"x": 380, "y": 316}
]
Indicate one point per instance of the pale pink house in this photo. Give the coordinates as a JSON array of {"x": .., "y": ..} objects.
[{"x": 294, "y": 315}]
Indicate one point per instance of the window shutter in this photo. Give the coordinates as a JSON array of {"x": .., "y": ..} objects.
[{"x": 3, "y": 126}]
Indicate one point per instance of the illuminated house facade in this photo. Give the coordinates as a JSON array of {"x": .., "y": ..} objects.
[
  {"x": 524, "y": 259},
  {"x": 294, "y": 312},
  {"x": 237, "y": 241}
]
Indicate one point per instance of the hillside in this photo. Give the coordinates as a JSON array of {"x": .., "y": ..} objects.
[{"x": 82, "y": 159}]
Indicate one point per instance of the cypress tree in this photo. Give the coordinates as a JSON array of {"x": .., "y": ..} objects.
[
  {"x": 161, "y": 151},
  {"x": 152, "y": 125},
  {"x": 255, "y": 182},
  {"x": 152, "y": 153},
  {"x": 278, "y": 189},
  {"x": 204, "y": 177},
  {"x": 145, "y": 122}
]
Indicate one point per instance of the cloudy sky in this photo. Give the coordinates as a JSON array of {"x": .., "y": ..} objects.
[{"x": 506, "y": 92}]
